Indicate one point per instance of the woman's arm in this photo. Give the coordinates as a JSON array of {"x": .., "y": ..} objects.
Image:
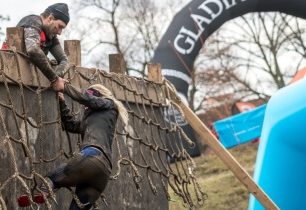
[
  {"x": 69, "y": 122},
  {"x": 90, "y": 101}
]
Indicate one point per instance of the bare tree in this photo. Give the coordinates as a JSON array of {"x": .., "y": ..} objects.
[
  {"x": 142, "y": 16},
  {"x": 215, "y": 79},
  {"x": 98, "y": 26},
  {"x": 130, "y": 27},
  {"x": 250, "y": 57},
  {"x": 268, "y": 45}
]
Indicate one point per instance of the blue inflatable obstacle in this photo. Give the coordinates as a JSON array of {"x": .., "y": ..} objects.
[
  {"x": 240, "y": 128},
  {"x": 281, "y": 159}
]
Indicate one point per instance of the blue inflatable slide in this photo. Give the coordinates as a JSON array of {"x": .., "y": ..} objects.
[
  {"x": 240, "y": 128},
  {"x": 280, "y": 168}
]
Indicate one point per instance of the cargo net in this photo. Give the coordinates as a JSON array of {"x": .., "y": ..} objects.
[{"x": 148, "y": 156}]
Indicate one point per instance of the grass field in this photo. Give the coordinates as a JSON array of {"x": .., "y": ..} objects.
[{"x": 224, "y": 190}]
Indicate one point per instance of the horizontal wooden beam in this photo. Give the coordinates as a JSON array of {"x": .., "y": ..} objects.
[{"x": 19, "y": 69}]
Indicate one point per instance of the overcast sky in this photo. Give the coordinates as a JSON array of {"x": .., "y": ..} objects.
[{"x": 16, "y": 9}]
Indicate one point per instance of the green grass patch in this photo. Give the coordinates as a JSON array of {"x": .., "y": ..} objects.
[{"x": 224, "y": 190}]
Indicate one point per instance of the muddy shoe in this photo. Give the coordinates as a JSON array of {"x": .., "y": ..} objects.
[
  {"x": 24, "y": 200},
  {"x": 39, "y": 198}
]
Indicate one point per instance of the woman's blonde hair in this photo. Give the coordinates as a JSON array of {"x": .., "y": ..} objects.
[{"x": 106, "y": 93}]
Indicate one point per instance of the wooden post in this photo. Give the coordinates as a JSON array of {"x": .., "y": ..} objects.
[
  {"x": 116, "y": 63},
  {"x": 73, "y": 51},
  {"x": 222, "y": 153},
  {"x": 14, "y": 38},
  {"x": 154, "y": 73}
]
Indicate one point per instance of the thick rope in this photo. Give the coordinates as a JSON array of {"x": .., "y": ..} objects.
[{"x": 145, "y": 154}]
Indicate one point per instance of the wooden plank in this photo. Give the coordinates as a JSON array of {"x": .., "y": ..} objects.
[
  {"x": 14, "y": 39},
  {"x": 73, "y": 51},
  {"x": 29, "y": 75},
  {"x": 21, "y": 70},
  {"x": 223, "y": 154},
  {"x": 154, "y": 73},
  {"x": 116, "y": 64}
]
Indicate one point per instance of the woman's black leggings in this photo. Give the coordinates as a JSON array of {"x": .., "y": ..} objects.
[{"x": 89, "y": 174}]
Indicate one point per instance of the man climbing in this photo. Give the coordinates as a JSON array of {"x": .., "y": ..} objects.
[
  {"x": 88, "y": 170},
  {"x": 40, "y": 38}
]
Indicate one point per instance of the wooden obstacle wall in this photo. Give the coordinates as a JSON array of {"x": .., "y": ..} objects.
[{"x": 24, "y": 95}]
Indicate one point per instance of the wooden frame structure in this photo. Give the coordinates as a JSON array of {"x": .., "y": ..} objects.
[{"x": 72, "y": 49}]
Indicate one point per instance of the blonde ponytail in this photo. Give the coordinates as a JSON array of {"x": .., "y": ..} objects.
[{"x": 106, "y": 93}]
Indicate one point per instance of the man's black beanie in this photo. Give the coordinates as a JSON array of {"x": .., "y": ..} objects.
[{"x": 60, "y": 11}]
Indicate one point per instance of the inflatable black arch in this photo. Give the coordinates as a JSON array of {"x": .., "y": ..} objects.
[{"x": 190, "y": 27}]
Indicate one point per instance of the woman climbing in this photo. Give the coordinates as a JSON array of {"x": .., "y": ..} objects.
[{"x": 89, "y": 170}]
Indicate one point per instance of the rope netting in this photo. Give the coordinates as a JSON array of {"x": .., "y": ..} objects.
[{"x": 148, "y": 153}]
